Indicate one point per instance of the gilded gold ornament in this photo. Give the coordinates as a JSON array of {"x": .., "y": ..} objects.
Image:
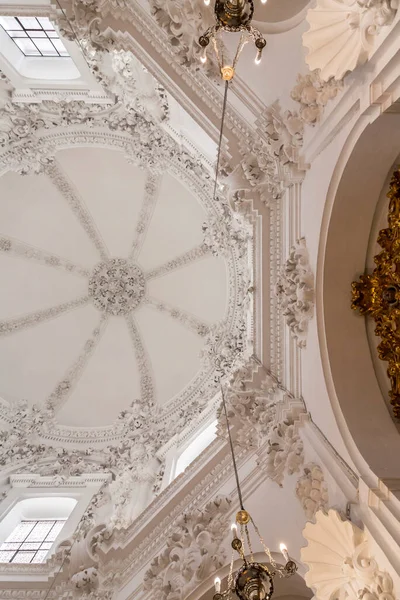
[
  {"x": 243, "y": 517},
  {"x": 378, "y": 295}
]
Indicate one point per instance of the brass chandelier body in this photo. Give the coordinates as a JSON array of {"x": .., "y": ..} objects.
[{"x": 232, "y": 16}]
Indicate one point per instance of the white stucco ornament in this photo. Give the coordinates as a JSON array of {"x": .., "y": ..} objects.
[
  {"x": 295, "y": 291},
  {"x": 342, "y": 33},
  {"x": 339, "y": 561}
]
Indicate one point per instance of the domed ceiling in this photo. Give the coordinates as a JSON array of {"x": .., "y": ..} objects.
[{"x": 115, "y": 288}]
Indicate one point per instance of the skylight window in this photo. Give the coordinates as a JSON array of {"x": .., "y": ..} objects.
[
  {"x": 30, "y": 541},
  {"x": 34, "y": 36}
]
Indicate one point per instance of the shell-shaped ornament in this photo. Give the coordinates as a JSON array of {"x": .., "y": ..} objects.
[{"x": 342, "y": 34}]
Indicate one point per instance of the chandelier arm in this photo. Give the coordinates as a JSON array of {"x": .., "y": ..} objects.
[
  {"x": 231, "y": 443},
  {"x": 220, "y": 146}
]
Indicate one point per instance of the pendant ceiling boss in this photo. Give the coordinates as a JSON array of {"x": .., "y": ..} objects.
[{"x": 233, "y": 16}]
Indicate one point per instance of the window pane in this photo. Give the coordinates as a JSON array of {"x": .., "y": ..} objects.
[
  {"x": 36, "y": 34},
  {"x": 40, "y": 556},
  {"x": 60, "y": 47},
  {"x": 5, "y": 557},
  {"x": 23, "y": 557},
  {"x": 46, "y": 47},
  {"x": 27, "y": 47},
  {"x": 17, "y": 34},
  {"x": 21, "y": 531},
  {"x": 46, "y": 545},
  {"x": 46, "y": 23},
  {"x": 38, "y": 534},
  {"x": 55, "y": 531},
  {"x": 30, "y": 546},
  {"x": 29, "y": 22},
  {"x": 9, "y": 23},
  {"x": 9, "y": 546}
]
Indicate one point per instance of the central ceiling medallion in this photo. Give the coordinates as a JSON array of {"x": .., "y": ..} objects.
[{"x": 117, "y": 286}]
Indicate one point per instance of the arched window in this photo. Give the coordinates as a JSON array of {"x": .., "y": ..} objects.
[
  {"x": 195, "y": 448},
  {"x": 32, "y": 527}
]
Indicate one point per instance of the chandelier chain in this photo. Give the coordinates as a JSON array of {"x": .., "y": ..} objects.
[{"x": 232, "y": 451}]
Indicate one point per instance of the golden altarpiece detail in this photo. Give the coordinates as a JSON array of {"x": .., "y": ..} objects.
[{"x": 378, "y": 295}]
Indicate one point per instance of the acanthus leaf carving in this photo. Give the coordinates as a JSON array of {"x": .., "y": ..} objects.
[
  {"x": 358, "y": 22},
  {"x": 349, "y": 570},
  {"x": 193, "y": 552},
  {"x": 313, "y": 94},
  {"x": 269, "y": 159},
  {"x": 312, "y": 490},
  {"x": 265, "y": 418},
  {"x": 295, "y": 291}
]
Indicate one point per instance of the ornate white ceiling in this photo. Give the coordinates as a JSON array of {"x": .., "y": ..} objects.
[
  {"x": 124, "y": 281},
  {"x": 109, "y": 292}
]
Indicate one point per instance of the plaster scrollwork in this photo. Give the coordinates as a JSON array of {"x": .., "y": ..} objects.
[
  {"x": 182, "y": 21},
  {"x": 285, "y": 450},
  {"x": 269, "y": 159},
  {"x": 313, "y": 94},
  {"x": 342, "y": 33},
  {"x": 312, "y": 490},
  {"x": 340, "y": 562},
  {"x": 295, "y": 291},
  {"x": 193, "y": 552},
  {"x": 266, "y": 418}
]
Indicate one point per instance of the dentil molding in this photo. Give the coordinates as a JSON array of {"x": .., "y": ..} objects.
[
  {"x": 340, "y": 562},
  {"x": 342, "y": 33}
]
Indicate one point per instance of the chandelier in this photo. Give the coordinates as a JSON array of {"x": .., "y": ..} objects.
[
  {"x": 232, "y": 16},
  {"x": 253, "y": 580}
]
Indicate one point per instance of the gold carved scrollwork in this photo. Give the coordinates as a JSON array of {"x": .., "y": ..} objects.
[{"x": 378, "y": 294}]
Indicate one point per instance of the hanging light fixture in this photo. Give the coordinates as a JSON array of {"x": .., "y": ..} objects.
[
  {"x": 253, "y": 580},
  {"x": 232, "y": 16}
]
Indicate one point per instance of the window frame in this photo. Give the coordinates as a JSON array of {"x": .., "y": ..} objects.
[
  {"x": 6, "y": 546},
  {"x": 28, "y": 35}
]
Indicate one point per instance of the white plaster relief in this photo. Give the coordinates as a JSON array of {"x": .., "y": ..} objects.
[
  {"x": 295, "y": 291},
  {"x": 63, "y": 389},
  {"x": 340, "y": 561},
  {"x": 10, "y": 326},
  {"x": 27, "y": 252},
  {"x": 193, "y": 552},
  {"x": 143, "y": 362},
  {"x": 313, "y": 94},
  {"x": 266, "y": 418},
  {"x": 76, "y": 204},
  {"x": 188, "y": 320},
  {"x": 273, "y": 158},
  {"x": 177, "y": 263},
  {"x": 312, "y": 490},
  {"x": 149, "y": 202},
  {"x": 342, "y": 33}
]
